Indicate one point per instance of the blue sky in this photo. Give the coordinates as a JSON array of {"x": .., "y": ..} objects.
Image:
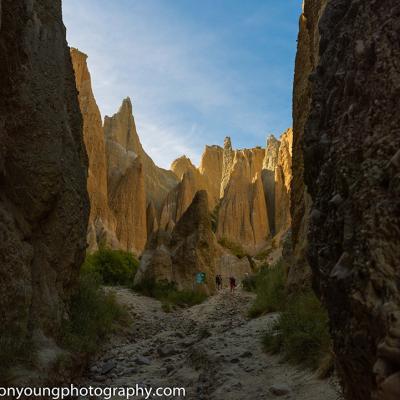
[{"x": 196, "y": 71}]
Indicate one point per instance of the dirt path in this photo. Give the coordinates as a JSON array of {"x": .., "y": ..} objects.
[{"x": 211, "y": 349}]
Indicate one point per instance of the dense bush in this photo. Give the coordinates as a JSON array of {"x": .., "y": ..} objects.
[
  {"x": 94, "y": 314},
  {"x": 115, "y": 267},
  {"x": 301, "y": 332},
  {"x": 235, "y": 248},
  {"x": 249, "y": 283},
  {"x": 269, "y": 286},
  {"x": 169, "y": 295}
]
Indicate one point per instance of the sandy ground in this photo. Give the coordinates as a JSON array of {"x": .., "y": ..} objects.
[{"x": 212, "y": 350}]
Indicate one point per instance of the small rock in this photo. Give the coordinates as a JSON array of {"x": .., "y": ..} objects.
[
  {"x": 234, "y": 360},
  {"x": 95, "y": 369},
  {"x": 246, "y": 354},
  {"x": 188, "y": 342},
  {"x": 279, "y": 390},
  {"x": 166, "y": 351},
  {"x": 99, "y": 378},
  {"x": 107, "y": 367},
  {"x": 336, "y": 200},
  {"x": 141, "y": 360}
]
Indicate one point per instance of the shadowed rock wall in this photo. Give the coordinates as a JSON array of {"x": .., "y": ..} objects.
[
  {"x": 352, "y": 171},
  {"x": 44, "y": 204}
]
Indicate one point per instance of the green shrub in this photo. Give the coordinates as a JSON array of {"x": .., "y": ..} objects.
[
  {"x": 115, "y": 267},
  {"x": 169, "y": 295},
  {"x": 270, "y": 290},
  {"x": 235, "y": 248},
  {"x": 93, "y": 315},
  {"x": 301, "y": 332},
  {"x": 185, "y": 298}
]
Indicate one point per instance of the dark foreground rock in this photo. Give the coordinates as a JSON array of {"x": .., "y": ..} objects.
[
  {"x": 43, "y": 198},
  {"x": 352, "y": 171}
]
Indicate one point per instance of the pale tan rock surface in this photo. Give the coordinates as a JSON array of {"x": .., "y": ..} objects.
[
  {"x": 102, "y": 223},
  {"x": 128, "y": 201},
  {"x": 181, "y": 165},
  {"x": 242, "y": 215},
  {"x": 121, "y": 129},
  {"x": 211, "y": 168},
  {"x": 151, "y": 219},
  {"x": 271, "y": 153},
  {"x": 227, "y": 164},
  {"x": 193, "y": 179},
  {"x": 180, "y": 198},
  {"x": 126, "y": 178},
  {"x": 44, "y": 205}
]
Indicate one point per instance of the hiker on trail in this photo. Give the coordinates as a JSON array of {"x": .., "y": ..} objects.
[
  {"x": 218, "y": 281},
  {"x": 232, "y": 283}
]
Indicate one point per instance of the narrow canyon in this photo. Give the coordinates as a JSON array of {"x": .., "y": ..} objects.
[{"x": 321, "y": 199}]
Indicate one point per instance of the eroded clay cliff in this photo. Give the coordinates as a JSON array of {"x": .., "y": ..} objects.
[
  {"x": 189, "y": 249},
  {"x": 126, "y": 179},
  {"x": 242, "y": 214},
  {"x": 102, "y": 223},
  {"x": 207, "y": 177},
  {"x": 211, "y": 167},
  {"x": 246, "y": 180},
  {"x": 283, "y": 180},
  {"x": 352, "y": 171},
  {"x": 44, "y": 205},
  {"x": 300, "y": 202},
  {"x": 121, "y": 129},
  {"x": 268, "y": 177}
]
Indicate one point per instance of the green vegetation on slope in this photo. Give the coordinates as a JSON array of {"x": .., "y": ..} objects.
[
  {"x": 300, "y": 332},
  {"x": 94, "y": 313},
  {"x": 169, "y": 295},
  {"x": 269, "y": 285},
  {"x": 115, "y": 267},
  {"x": 235, "y": 248}
]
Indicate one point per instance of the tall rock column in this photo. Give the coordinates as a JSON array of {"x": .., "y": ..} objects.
[
  {"x": 300, "y": 202},
  {"x": 283, "y": 180},
  {"x": 227, "y": 163},
  {"x": 126, "y": 179},
  {"x": 121, "y": 129},
  {"x": 352, "y": 171},
  {"x": 268, "y": 177},
  {"x": 44, "y": 205},
  {"x": 101, "y": 218},
  {"x": 128, "y": 200},
  {"x": 242, "y": 215},
  {"x": 211, "y": 168}
]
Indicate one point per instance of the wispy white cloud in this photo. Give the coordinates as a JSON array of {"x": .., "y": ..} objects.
[{"x": 184, "y": 80}]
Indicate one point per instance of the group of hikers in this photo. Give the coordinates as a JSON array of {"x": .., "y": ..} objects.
[{"x": 232, "y": 282}]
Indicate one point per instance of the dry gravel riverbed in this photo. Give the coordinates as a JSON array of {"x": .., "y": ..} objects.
[{"x": 212, "y": 350}]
